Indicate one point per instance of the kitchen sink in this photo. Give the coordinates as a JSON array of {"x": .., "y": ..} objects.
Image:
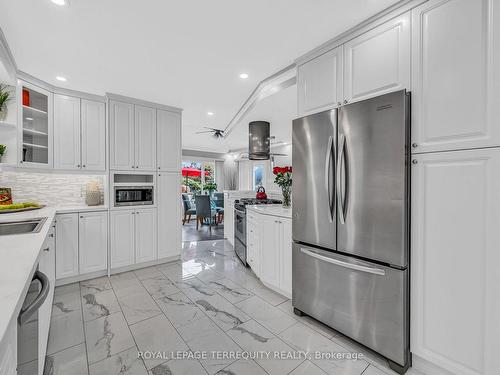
[{"x": 22, "y": 226}]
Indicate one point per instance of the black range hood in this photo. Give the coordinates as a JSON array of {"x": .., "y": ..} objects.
[{"x": 259, "y": 143}]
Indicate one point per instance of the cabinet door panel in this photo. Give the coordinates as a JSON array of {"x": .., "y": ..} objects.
[
  {"x": 145, "y": 235},
  {"x": 66, "y": 132},
  {"x": 454, "y": 54},
  {"x": 169, "y": 215},
  {"x": 122, "y": 238},
  {"x": 378, "y": 61},
  {"x": 121, "y": 134},
  {"x": 93, "y": 241},
  {"x": 93, "y": 136},
  {"x": 145, "y": 138},
  {"x": 270, "y": 254},
  {"x": 286, "y": 256},
  {"x": 455, "y": 257},
  {"x": 319, "y": 82},
  {"x": 66, "y": 245},
  {"x": 168, "y": 141}
]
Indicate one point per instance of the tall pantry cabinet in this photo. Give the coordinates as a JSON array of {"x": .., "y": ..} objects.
[{"x": 447, "y": 54}]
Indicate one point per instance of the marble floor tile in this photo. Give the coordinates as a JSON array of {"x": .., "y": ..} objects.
[
  {"x": 224, "y": 314},
  {"x": 98, "y": 304},
  {"x": 205, "y": 335},
  {"x": 138, "y": 306},
  {"x": 242, "y": 367},
  {"x": 66, "y": 330},
  {"x": 95, "y": 285},
  {"x": 148, "y": 272},
  {"x": 179, "y": 367},
  {"x": 175, "y": 273},
  {"x": 124, "y": 363},
  {"x": 251, "y": 336},
  {"x": 307, "y": 320},
  {"x": 157, "y": 334},
  {"x": 230, "y": 290},
  {"x": 107, "y": 336},
  {"x": 179, "y": 309},
  {"x": 266, "y": 314},
  {"x": 68, "y": 361},
  {"x": 250, "y": 282},
  {"x": 308, "y": 368},
  {"x": 66, "y": 299},
  {"x": 304, "y": 338},
  {"x": 159, "y": 286},
  {"x": 125, "y": 284}
]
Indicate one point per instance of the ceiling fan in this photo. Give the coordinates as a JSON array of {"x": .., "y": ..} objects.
[{"x": 217, "y": 133}]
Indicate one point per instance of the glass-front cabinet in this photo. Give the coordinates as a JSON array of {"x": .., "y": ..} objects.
[{"x": 36, "y": 119}]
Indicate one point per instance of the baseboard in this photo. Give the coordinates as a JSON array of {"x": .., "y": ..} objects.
[
  {"x": 137, "y": 266},
  {"x": 87, "y": 276},
  {"x": 426, "y": 367}
]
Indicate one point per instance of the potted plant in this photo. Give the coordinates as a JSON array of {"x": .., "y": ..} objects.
[
  {"x": 284, "y": 180},
  {"x": 210, "y": 187},
  {"x": 2, "y": 151},
  {"x": 4, "y": 98}
]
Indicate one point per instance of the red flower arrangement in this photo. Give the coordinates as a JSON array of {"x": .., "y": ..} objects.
[{"x": 284, "y": 180}]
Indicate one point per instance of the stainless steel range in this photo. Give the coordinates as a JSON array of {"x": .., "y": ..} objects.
[{"x": 240, "y": 224}]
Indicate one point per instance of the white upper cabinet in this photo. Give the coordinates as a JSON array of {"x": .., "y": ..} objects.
[
  {"x": 121, "y": 130},
  {"x": 145, "y": 138},
  {"x": 168, "y": 141},
  {"x": 66, "y": 132},
  {"x": 122, "y": 238},
  {"x": 66, "y": 245},
  {"x": 93, "y": 241},
  {"x": 378, "y": 61},
  {"x": 456, "y": 52},
  {"x": 455, "y": 279},
  {"x": 145, "y": 235},
  {"x": 93, "y": 134},
  {"x": 169, "y": 214},
  {"x": 319, "y": 82}
]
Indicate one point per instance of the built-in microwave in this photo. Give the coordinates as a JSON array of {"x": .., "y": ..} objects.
[{"x": 134, "y": 195}]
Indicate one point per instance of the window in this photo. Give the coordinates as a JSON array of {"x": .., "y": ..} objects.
[
  {"x": 258, "y": 176},
  {"x": 195, "y": 176}
]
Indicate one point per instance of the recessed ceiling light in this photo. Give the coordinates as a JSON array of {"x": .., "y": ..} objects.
[
  {"x": 210, "y": 113},
  {"x": 29, "y": 118},
  {"x": 62, "y": 79},
  {"x": 243, "y": 75},
  {"x": 60, "y": 2}
]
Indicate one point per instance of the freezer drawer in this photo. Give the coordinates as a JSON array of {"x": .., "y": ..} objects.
[{"x": 364, "y": 301}]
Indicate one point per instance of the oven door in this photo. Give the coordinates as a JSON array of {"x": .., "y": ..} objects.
[
  {"x": 240, "y": 226},
  {"x": 133, "y": 195}
]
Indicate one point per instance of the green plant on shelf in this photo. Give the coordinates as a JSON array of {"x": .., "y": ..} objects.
[{"x": 4, "y": 97}]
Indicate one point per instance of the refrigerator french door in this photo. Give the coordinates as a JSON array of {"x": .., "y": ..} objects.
[{"x": 350, "y": 222}]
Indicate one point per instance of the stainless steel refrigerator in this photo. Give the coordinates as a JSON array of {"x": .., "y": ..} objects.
[{"x": 351, "y": 222}]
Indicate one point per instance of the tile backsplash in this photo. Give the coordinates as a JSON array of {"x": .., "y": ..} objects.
[{"x": 52, "y": 189}]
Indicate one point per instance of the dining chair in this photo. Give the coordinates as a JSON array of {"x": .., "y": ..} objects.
[{"x": 204, "y": 210}]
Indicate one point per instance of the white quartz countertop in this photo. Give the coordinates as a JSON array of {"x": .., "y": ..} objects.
[
  {"x": 19, "y": 254},
  {"x": 271, "y": 209}
]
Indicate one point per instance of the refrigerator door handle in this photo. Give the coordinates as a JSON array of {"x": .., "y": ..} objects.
[
  {"x": 352, "y": 266},
  {"x": 340, "y": 160},
  {"x": 327, "y": 177}
]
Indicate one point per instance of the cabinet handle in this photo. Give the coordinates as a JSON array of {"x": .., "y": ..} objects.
[
  {"x": 51, "y": 235},
  {"x": 414, "y": 161},
  {"x": 79, "y": 166},
  {"x": 83, "y": 166},
  {"x": 339, "y": 104},
  {"x": 46, "y": 249},
  {"x": 81, "y": 217},
  {"x": 133, "y": 213},
  {"x": 414, "y": 145},
  {"x": 345, "y": 101},
  {"x": 159, "y": 168},
  {"x": 136, "y": 167}
]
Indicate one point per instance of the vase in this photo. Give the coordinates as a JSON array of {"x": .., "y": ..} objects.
[{"x": 287, "y": 196}]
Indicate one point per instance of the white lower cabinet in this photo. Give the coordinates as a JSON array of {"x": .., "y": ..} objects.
[
  {"x": 145, "y": 235},
  {"x": 93, "y": 242},
  {"x": 229, "y": 220},
  {"x": 122, "y": 238},
  {"x": 269, "y": 250},
  {"x": 81, "y": 243},
  {"x": 133, "y": 237},
  {"x": 8, "y": 350},
  {"x": 66, "y": 245},
  {"x": 455, "y": 257},
  {"x": 169, "y": 215}
]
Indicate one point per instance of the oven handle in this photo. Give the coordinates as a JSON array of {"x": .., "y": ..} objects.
[
  {"x": 26, "y": 313},
  {"x": 352, "y": 266}
]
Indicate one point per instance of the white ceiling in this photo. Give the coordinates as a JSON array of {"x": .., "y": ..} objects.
[{"x": 182, "y": 53}]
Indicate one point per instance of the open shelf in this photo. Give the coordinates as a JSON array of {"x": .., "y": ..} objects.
[
  {"x": 34, "y": 110},
  {"x": 34, "y": 145},
  {"x": 36, "y": 132}
]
